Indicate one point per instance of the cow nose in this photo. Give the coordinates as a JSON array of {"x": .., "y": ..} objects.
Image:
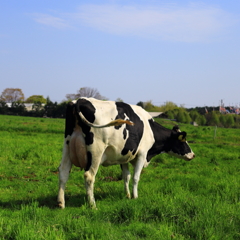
[{"x": 193, "y": 156}]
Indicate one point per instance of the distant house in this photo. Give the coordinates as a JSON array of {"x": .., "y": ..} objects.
[
  {"x": 28, "y": 106},
  {"x": 156, "y": 114}
]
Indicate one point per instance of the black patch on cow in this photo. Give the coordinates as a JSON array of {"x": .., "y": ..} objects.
[
  {"x": 160, "y": 135},
  {"x": 70, "y": 119},
  {"x": 166, "y": 140},
  {"x": 135, "y": 132},
  {"x": 89, "y": 161},
  {"x": 88, "y": 110},
  {"x": 124, "y": 133}
]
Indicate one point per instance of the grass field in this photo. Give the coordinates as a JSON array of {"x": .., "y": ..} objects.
[{"x": 177, "y": 199}]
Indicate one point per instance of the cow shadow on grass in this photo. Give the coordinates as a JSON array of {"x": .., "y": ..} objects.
[
  {"x": 47, "y": 201},
  {"x": 75, "y": 200}
]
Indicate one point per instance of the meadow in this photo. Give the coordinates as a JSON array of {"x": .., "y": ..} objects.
[{"x": 179, "y": 200}]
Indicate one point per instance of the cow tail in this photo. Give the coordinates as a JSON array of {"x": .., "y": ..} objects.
[
  {"x": 116, "y": 122},
  {"x": 70, "y": 119}
]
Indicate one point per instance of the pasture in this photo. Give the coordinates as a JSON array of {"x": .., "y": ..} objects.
[{"x": 179, "y": 200}]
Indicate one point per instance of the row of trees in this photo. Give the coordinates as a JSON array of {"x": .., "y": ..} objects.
[
  {"x": 213, "y": 118},
  {"x": 12, "y": 101},
  {"x": 50, "y": 109},
  {"x": 10, "y": 95},
  {"x": 45, "y": 107},
  {"x": 197, "y": 115}
]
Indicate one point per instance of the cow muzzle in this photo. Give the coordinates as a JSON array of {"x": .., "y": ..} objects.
[{"x": 189, "y": 156}]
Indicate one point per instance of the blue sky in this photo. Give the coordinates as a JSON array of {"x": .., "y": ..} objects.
[{"x": 187, "y": 52}]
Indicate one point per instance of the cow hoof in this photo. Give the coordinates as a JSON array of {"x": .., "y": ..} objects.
[
  {"x": 93, "y": 207},
  {"x": 60, "y": 205}
]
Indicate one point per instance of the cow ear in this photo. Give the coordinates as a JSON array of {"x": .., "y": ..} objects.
[
  {"x": 182, "y": 136},
  {"x": 176, "y": 128}
]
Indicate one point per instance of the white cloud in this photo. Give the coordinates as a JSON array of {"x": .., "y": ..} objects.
[
  {"x": 192, "y": 23},
  {"x": 52, "y": 21}
]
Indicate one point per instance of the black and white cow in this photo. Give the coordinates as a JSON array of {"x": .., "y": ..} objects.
[{"x": 107, "y": 133}]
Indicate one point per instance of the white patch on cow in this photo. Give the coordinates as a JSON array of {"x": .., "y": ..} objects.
[
  {"x": 187, "y": 157},
  {"x": 64, "y": 170}
]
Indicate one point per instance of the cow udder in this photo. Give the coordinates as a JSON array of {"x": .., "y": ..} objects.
[{"x": 77, "y": 148}]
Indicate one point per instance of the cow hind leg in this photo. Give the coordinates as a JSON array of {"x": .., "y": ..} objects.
[
  {"x": 64, "y": 170},
  {"x": 126, "y": 178},
  {"x": 89, "y": 177},
  {"x": 138, "y": 166}
]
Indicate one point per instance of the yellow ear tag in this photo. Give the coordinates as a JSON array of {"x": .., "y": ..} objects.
[{"x": 181, "y": 138}]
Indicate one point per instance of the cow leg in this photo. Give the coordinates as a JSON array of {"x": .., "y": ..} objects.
[
  {"x": 89, "y": 177},
  {"x": 138, "y": 165},
  {"x": 64, "y": 170},
  {"x": 126, "y": 177}
]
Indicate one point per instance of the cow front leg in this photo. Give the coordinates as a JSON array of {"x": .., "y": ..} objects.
[
  {"x": 64, "y": 170},
  {"x": 126, "y": 177}
]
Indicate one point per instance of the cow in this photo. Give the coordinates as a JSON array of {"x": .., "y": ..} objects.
[{"x": 108, "y": 133}]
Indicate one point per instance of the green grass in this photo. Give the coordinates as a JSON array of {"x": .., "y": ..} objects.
[{"x": 177, "y": 199}]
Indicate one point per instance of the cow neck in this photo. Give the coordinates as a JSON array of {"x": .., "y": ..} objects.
[
  {"x": 161, "y": 134},
  {"x": 161, "y": 137}
]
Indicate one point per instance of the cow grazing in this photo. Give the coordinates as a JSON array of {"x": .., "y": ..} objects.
[{"x": 107, "y": 133}]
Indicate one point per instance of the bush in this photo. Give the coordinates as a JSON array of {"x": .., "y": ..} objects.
[
  {"x": 229, "y": 120},
  {"x": 213, "y": 119},
  {"x": 201, "y": 120}
]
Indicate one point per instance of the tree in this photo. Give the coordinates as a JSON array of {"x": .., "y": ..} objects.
[
  {"x": 194, "y": 115},
  {"x": 86, "y": 92},
  {"x": 36, "y": 98},
  {"x": 168, "y": 106},
  {"x": 3, "y": 107},
  {"x": 201, "y": 120},
  {"x": 187, "y": 117},
  {"x": 50, "y": 108},
  {"x": 10, "y": 95},
  {"x": 148, "y": 106},
  {"x": 18, "y": 108},
  {"x": 170, "y": 115},
  {"x": 119, "y": 100},
  {"x": 213, "y": 119},
  {"x": 71, "y": 96},
  {"x": 229, "y": 120},
  {"x": 223, "y": 119},
  {"x": 140, "y": 104}
]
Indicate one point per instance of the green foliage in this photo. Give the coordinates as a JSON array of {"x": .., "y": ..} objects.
[
  {"x": 18, "y": 108},
  {"x": 3, "y": 107},
  {"x": 222, "y": 120},
  {"x": 194, "y": 115},
  {"x": 229, "y": 120},
  {"x": 148, "y": 106},
  {"x": 213, "y": 119},
  {"x": 168, "y": 106},
  {"x": 36, "y": 99},
  {"x": 183, "y": 116},
  {"x": 177, "y": 199},
  {"x": 140, "y": 104},
  {"x": 201, "y": 120}
]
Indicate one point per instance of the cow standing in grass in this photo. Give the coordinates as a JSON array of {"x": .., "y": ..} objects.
[{"x": 107, "y": 133}]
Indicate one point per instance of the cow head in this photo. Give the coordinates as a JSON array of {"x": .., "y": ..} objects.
[{"x": 178, "y": 146}]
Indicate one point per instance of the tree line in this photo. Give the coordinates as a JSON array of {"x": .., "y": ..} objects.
[{"x": 44, "y": 107}]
